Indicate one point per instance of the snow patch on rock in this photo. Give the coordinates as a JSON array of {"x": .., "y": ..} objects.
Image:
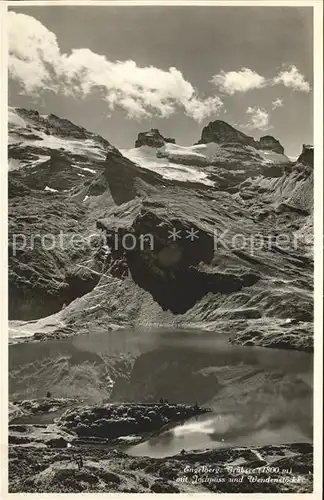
[
  {"x": 145, "y": 157},
  {"x": 47, "y": 188}
]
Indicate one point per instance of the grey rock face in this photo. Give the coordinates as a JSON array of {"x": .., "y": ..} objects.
[
  {"x": 268, "y": 142},
  {"x": 307, "y": 155},
  {"x": 153, "y": 138},
  {"x": 223, "y": 133}
]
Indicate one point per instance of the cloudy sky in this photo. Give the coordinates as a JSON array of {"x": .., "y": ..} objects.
[{"x": 121, "y": 70}]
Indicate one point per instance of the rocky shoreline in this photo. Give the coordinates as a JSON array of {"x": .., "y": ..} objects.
[{"x": 99, "y": 423}]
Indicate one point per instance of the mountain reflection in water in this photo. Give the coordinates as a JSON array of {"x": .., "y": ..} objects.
[
  {"x": 258, "y": 396},
  {"x": 264, "y": 396}
]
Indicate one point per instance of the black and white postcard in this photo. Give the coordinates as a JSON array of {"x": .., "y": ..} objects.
[{"x": 162, "y": 172}]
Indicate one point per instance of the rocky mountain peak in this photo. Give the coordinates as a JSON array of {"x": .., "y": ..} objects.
[
  {"x": 152, "y": 138},
  {"x": 27, "y": 113},
  {"x": 268, "y": 142},
  {"x": 223, "y": 133},
  {"x": 307, "y": 155}
]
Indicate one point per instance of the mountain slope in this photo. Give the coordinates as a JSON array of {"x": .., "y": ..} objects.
[{"x": 212, "y": 216}]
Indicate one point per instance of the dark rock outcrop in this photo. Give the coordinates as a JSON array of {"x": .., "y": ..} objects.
[
  {"x": 172, "y": 271},
  {"x": 223, "y": 133},
  {"x": 269, "y": 143},
  {"x": 307, "y": 155},
  {"x": 153, "y": 138},
  {"x": 125, "y": 180}
]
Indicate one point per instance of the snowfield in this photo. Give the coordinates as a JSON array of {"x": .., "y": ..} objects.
[
  {"x": 188, "y": 163},
  {"x": 145, "y": 157}
]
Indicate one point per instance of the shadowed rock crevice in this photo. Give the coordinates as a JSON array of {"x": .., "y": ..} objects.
[
  {"x": 176, "y": 273},
  {"x": 182, "y": 287}
]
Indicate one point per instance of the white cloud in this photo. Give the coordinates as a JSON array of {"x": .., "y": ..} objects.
[
  {"x": 259, "y": 118},
  {"x": 37, "y": 63},
  {"x": 238, "y": 81},
  {"x": 199, "y": 109},
  {"x": 292, "y": 78},
  {"x": 277, "y": 103},
  {"x": 32, "y": 51},
  {"x": 246, "y": 79}
]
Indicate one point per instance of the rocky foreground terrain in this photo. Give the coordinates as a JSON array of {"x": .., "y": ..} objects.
[
  {"x": 214, "y": 237},
  {"x": 44, "y": 458},
  {"x": 55, "y": 471}
]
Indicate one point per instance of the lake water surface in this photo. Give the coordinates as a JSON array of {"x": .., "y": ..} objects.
[{"x": 258, "y": 396}]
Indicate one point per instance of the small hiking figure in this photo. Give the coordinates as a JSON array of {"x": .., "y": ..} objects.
[
  {"x": 183, "y": 451},
  {"x": 80, "y": 462},
  {"x": 161, "y": 401},
  {"x": 48, "y": 394},
  {"x": 196, "y": 406}
]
